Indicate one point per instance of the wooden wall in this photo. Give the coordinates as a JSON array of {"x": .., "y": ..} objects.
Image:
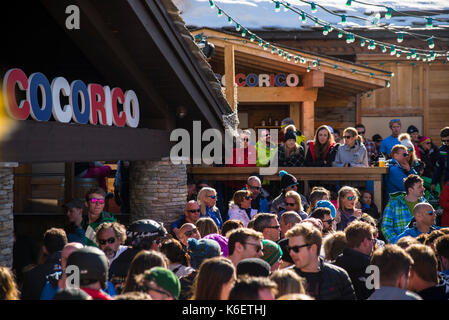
[
  {"x": 257, "y": 113},
  {"x": 337, "y": 112},
  {"x": 420, "y": 90}
]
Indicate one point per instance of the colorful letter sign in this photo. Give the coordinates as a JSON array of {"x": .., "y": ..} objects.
[{"x": 87, "y": 104}]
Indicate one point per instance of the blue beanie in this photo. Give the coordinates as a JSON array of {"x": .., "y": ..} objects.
[
  {"x": 327, "y": 204},
  {"x": 199, "y": 250}
]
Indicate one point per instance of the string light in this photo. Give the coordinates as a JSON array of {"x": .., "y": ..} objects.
[
  {"x": 277, "y": 7},
  {"x": 431, "y": 43},
  {"x": 313, "y": 7},
  {"x": 348, "y": 3},
  {"x": 389, "y": 13},
  {"x": 400, "y": 37}
]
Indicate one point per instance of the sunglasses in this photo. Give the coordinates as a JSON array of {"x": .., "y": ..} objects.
[
  {"x": 254, "y": 187},
  {"x": 329, "y": 221},
  {"x": 95, "y": 200},
  {"x": 194, "y": 211},
  {"x": 297, "y": 248},
  {"x": 212, "y": 197},
  {"x": 245, "y": 140},
  {"x": 290, "y": 204},
  {"x": 102, "y": 242},
  {"x": 347, "y": 137},
  {"x": 190, "y": 232},
  {"x": 427, "y": 143},
  {"x": 445, "y": 140},
  {"x": 431, "y": 212},
  {"x": 256, "y": 246},
  {"x": 410, "y": 149},
  {"x": 351, "y": 198},
  {"x": 405, "y": 155},
  {"x": 247, "y": 197},
  {"x": 361, "y": 132}
]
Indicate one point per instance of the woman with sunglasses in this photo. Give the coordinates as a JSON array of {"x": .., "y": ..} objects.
[
  {"x": 207, "y": 199},
  {"x": 353, "y": 152},
  {"x": 347, "y": 210},
  {"x": 398, "y": 169},
  {"x": 240, "y": 207},
  {"x": 413, "y": 160},
  {"x": 290, "y": 153},
  {"x": 293, "y": 203}
]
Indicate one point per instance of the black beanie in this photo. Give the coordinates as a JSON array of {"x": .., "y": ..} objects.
[
  {"x": 287, "y": 180},
  {"x": 412, "y": 129},
  {"x": 254, "y": 267},
  {"x": 290, "y": 134}
]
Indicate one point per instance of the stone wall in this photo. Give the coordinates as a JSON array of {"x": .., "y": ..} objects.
[
  {"x": 158, "y": 190},
  {"x": 6, "y": 212}
]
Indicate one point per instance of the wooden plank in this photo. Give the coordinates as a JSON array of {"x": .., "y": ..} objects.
[
  {"x": 425, "y": 93},
  {"x": 308, "y": 119},
  {"x": 293, "y": 170},
  {"x": 313, "y": 79},
  {"x": 69, "y": 172},
  {"x": 230, "y": 74},
  {"x": 295, "y": 114},
  {"x": 22, "y": 187},
  {"x": 276, "y": 94}
]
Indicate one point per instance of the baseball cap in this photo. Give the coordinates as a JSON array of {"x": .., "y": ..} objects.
[{"x": 166, "y": 279}]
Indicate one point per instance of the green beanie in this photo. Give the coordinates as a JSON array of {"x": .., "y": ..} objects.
[{"x": 166, "y": 279}]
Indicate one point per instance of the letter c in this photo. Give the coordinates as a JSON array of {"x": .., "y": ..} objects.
[{"x": 21, "y": 111}]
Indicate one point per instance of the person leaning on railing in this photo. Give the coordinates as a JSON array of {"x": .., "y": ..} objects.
[{"x": 322, "y": 149}]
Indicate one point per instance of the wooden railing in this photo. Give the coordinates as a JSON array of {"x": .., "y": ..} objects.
[{"x": 301, "y": 173}]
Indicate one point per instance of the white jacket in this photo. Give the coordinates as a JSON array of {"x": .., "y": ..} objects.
[{"x": 236, "y": 213}]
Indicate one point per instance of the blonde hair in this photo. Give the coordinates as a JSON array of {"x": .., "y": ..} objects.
[
  {"x": 8, "y": 286},
  {"x": 343, "y": 192},
  {"x": 295, "y": 196},
  {"x": 353, "y": 132},
  {"x": 205, "y": 192}
]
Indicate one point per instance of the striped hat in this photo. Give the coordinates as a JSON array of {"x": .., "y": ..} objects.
[
  {"x": 423, "y": 140},
  {"x": 272, "y": 252}
]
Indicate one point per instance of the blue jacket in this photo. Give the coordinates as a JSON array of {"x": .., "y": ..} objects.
[
  {"x": 394, "y": 180},
  {"x": 413, "y": 232},
  {"x": 216, "y": 216}
]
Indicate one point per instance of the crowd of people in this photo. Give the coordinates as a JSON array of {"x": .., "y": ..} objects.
[{"x": 286, "y": 247}]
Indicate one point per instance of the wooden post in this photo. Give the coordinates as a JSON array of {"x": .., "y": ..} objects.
[
  {"x": 295, "y": 114},
  {"x": 308, "y": 119},
  {"x": 378, "y": 194},
  {"x": 230, "y": 75},
  {"x": 69, "y": 173}
]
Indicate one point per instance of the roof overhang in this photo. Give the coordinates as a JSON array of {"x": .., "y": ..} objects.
[{"x": 340, "y": 77}]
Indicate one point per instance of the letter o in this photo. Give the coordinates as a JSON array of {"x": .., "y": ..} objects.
[
  {"x": 80, "y": 115},
  {"x": 252, "y": 80},
  {"x": 131, "y": 99},
  {"x": 39, "y": 81},
  {"x": 292, "y": 80}
]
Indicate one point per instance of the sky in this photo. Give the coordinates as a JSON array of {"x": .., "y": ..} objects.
[{"x": 260, "y": 14}]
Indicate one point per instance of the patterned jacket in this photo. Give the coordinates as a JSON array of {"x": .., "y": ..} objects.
[
  {"x": 396, "y": 216},
  {"x": 293, "y": 160}
]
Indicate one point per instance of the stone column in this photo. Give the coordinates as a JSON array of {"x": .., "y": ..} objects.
[
  {"x": 158, "y": 190},
  {"x": 6, "y": 212}
]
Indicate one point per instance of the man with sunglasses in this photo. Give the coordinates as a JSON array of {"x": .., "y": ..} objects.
[
  {"x": 260, "y": 198},
  {"x": 324, "y": 281},
  {"x": 268, "y": 225},
  {"x": 244, "y": 243},
  {"x": 387, "y": 144},
  {"x": 95, "y": 202},
  {"x": 110, "y": 236},
  {"x": 325, "y": 215},
  {"x": 424, "y": 215},
  {"x": 191, "y": 215},
  {"x": 399, "y": 169},
  {"x": 187, "y": 231}
]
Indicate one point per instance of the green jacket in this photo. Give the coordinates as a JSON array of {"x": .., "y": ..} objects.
[
  {"x": 92, "y": 227},
  {"x": 396, "y": 216},
  {"x": 267, "y": 154}
]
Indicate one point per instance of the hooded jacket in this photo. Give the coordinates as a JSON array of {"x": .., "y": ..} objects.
[
  {"x": 237, "y": 213},
  {"x": 394, "y": 180},
  {"x": 355, "y": 156}
]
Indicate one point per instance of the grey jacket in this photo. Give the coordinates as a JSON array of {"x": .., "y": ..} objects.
[{"x": 356, "y": 156}]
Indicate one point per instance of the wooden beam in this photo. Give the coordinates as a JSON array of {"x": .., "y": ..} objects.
[
  {"x": 295, "y": 114},
  {"x": 313, "y": 79},
  {"x": 308, "y": 119},
  {"x": 276, "y": 94},
  {"x": 230, "y": 74}
]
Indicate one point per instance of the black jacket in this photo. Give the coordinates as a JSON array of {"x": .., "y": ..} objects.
[
  {"x": 35, "y": 279},
  {"x": 355, "y": 264},
  {"x": 330, "y": 283},
  {"x": 293, "y": 160},
  {"x": 328, "y": 157}
]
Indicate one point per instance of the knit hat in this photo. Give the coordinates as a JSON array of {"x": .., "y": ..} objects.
[
  {"x": 327, "y": 204},
  {"x": 376, "y": 138},
  {"x": 412, "y": 129},
  {"x": 423, "y": 140},
  {"x": 407, "y": 143},
  {"x": 272, "y": 252},
  {"x": 221, "y": 240},
  {"x": 290, "y": 134},
  {"x": 202, "y": 249},
  {"x": 287, "y": 180},
  {"x": 165, "y": 279},
  {"x": 254, "y": 267}
]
